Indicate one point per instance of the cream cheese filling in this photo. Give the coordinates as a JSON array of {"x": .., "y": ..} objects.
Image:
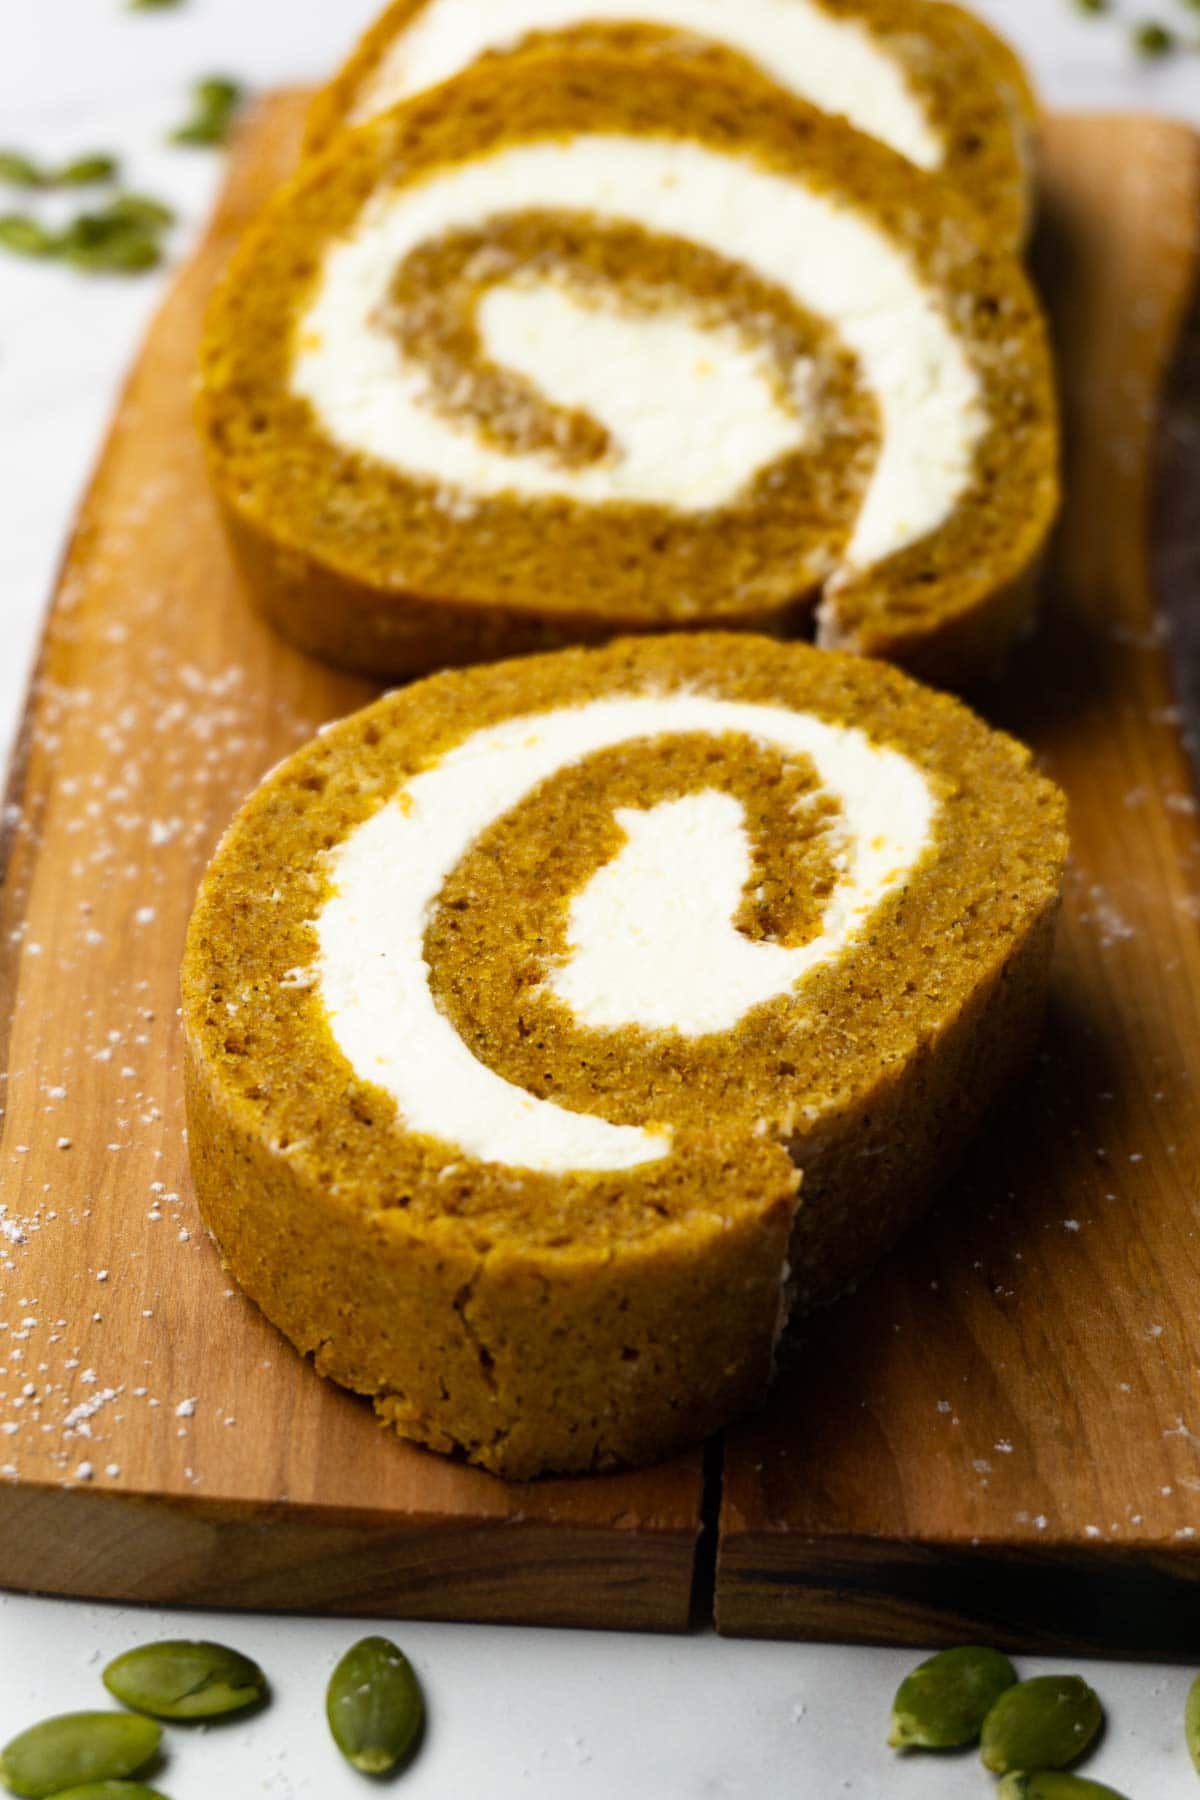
[
  {"x": 644, "y": 907},
  {"x": 833, "y": 62},
  {"x": 834, "y": 261},
  {"x": 726, "y": 413}
]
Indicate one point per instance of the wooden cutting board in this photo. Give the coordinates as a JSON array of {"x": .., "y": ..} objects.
[
  {"x": 999, "y": 1435},
  {"x": 159, "y": 1441}
]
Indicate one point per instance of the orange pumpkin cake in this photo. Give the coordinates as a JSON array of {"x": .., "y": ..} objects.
[
  {"x": 572, "y": 346},
  {"x": 552, "y": 1027},
  {"x": 930, "y": 81}
]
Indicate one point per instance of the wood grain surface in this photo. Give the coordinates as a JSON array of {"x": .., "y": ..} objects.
[
  {"x": 999, "y": 1435},
  {"x": 158, "y": 1439}
]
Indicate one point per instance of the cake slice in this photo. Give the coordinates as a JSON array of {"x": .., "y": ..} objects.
[
  {"x": 553, "y": 1026},
  {"x": 572, "y": 346},
  {"x": 929, "y": 80}
]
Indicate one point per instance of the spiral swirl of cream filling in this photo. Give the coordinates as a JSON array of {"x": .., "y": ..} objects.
[
  {"x": 651, "y": 939},
  {"x": 694, "y": 413},
  {"x": 833, "y": 62}
]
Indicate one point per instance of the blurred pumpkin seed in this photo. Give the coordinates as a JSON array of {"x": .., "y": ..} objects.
[
  {"x": 83, "y": 171},
  {"x": 22, "y": 234},
  {"x": 215, "y": 101}
]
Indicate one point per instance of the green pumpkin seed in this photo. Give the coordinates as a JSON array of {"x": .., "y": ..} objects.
[
  {"x": 180, "y": 1679},
  {"x": 374, "y": 1706},
  {"x": 77, "y": 1747},
  {"x": 19, "y": 170},
  {"x": 217, "y": 90},
  {"x": 111, "y": 1790},
  {"x": 1191, "y": 1723},
  {"x": 110, "y": 240},
  {"x": 943, "y": 1703},
  {"x": 124, "y": 252},
  {"x": 82, "y": 171},
  {"x": 25, "y": 237},
  {"x": 215, "y": 100},
  {"x": 1045, "y": 1723},
  {"x": 200, "y": 132},
  {"x": 1151, "y": 38},
  {"x": 1054, "y": 1784},
  {"x": 140, "y": 209}
]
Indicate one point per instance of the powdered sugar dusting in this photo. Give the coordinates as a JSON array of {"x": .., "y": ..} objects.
[{"x": 136, "y": 758}]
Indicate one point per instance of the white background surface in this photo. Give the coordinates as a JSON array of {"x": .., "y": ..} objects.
[{"x": 513, "y": 1712}]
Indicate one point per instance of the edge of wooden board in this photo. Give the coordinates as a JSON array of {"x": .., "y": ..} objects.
[
  {"x": 117, "y": 1546},
  {"x": 1114, "y": 1600}
]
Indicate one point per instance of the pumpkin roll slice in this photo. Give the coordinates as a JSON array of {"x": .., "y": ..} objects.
[
  {"x": 553, "y": 1026},
  {"x": 930, "y": 81},
  {"x": 570, "y": 346}
]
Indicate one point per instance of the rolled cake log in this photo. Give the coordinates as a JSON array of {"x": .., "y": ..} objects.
[
  {"x": 570, "y": 347},
  {"x": 930, "y": 81},
  {"x": 518, "y": 1006}
]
